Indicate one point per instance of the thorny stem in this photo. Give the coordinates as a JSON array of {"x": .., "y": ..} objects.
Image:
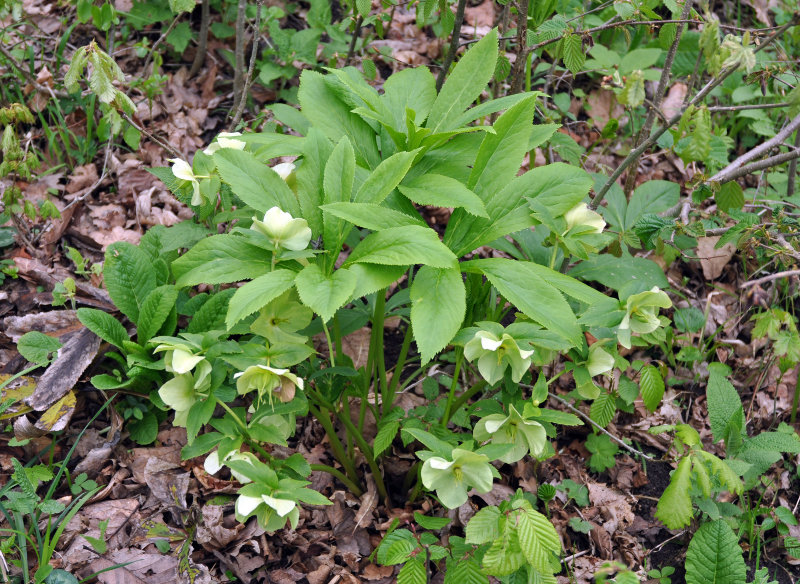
[
  {"x": 706, "y": 89},
  {"x": 576, "y": 411},
  {"x": 454, "y": 40},
  {"x": 248, "y": 80},
  {"x": 202, "y": 41},
  {"x": 659, "y": 95}
]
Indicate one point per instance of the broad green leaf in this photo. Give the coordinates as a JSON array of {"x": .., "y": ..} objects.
[
  {"x": 538, "y": 540},
  {"x": 540, "y": 134},
  {"x": 310, "y": 192},
  {"x": 374, "y": 277},
  {"x": 438, "y": 303},
  {"x": 466, "y": 82},
  {"x": 443, "y": 191},
  {"x": 154, "y": 311},
  {"x": 572, "y": 51},
  {"x": 385, "y": 436},
  {"x": 730, "y": 196},
  {"x": 714, "y": 556},
  {"x": 603, "y": 409},
  {"x": 675, "y": 505},
  {"x": 322, "y": 293},
  {"x": 409, "y": 89},
  {"x": 633, "y": 94},
  {"x": 211, "y": 315},
  {"x": 254, "y": 182},
  {"x": 220, "y": 259},
  {"x": 370, "y": 216},
  {"x": 526, "y": 288},
  {"x": 178, "y": 6},
  {"x": 653, "y": 196},
  {"x": 638, "y": 59},
  {"x": 627, "y": 275},
  {"x": 725, "y": 411},
  {"x": 326, "y": 111},
  {"x": 413, "y": 572},
  {"x": 103, "y": 325},
  {"x": 504, "y": 555},
  {"x": 483, "y": 526},
  {"x": 403, "y": 246},
  {"x": 385, "y": 178},
  {"x": 428, "y": 522},
  {"x": 493, "y": 106},
  {"x": 129, "y": 277},
  {"x": 36, "y": 347},
  {"x": 338, "y": 185},
  {"x": 465, "y": 571},
  {"x": 258, "y": 293},
  {"x": 652, "y": 386}
]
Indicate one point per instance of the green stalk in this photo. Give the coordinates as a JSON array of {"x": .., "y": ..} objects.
[
  {"x": 453, "y": 385},
  {"x": 330, "y": 343},
  {"x": 367, "y": 452},
  {"x": 323, "y": 416},
  {"x": 388, "y": 397},
  {"x": 377, "y": 332},
  {"x": 464, "y": 397},
  {"x": 354, "y": 488}
]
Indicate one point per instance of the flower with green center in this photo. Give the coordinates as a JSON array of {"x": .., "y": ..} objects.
[
  {"x": 495, "y": 353},
  {"x": 524, "y": 435},
  {"x": 212, "y": 463},
  {"x": 179, "y": 358},
  {"x": 284, "y": 169},
  {"x": 225, "y": 140},
  {"x": 600, "y": 361},
  {"x": 279, "y": 321},
  {"x": 272, "y": 511},
  {"x": 182, "y": 391},
  {"x": 283, "y": 230},
  {"x": 452, "y": 479},
  {"x": 268, "y": 380},
  {"x": 183, "y": 170},
  {"x": 582, "y": 216},
  {"x": 641, "y": 315}
]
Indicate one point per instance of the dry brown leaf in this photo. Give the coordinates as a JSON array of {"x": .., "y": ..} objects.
[{"x": 713, "y": 261}]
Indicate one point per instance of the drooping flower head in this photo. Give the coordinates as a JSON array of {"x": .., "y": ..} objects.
[
  {"x": 183, "y": 171},
  {"x": 452, "y": 479},
  {"x": 179, "y": 358},
  {"x": 212, "y": 463},
  {"x": 600, "y": 361},
  {"x": 524, "y": 435},
  {"x": 581, "y": 216},
  {"x": 182, "y": 391},
  {"x": 494, "y": 353},
  {"x": 641, "y": 316},
  {"x": 283, "y": 230},
  {"x": 225, "y": 140},
  {"x": 268, "y": 381},
  {"x": 284, "y": 169}
]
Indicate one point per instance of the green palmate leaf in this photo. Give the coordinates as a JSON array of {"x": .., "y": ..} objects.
[
  {"x": 413, "y": 572},
  {"x": 438, "y": 303},
  {"x": 325, "y": 294},
  {"x": 254, "y": 182},
  {"x": 572, "y": 51},
  {"x": 443, "y": 191},
  {"x": 483, "y": 527},
  {"x": 652, "y": 385},
  {"x": 675, "y": 505},
  {"x": 258, "y": 293},
  {"x": 465, "y": 84},
  {"x": 385, "y": 178},
  {"x": 603, "y": 409},
  {"x": 714, "y": 556},
  {"x": 327, "y": 112},
  {"x": 370, "y": 216},
  {"x": 524, "y": 286},
  {"x": 36, "y": 347},
  {"x": 725, "y": 411},
  {"x": 129, "y": 277},
  {"x": 211, "y": 316},
  {"x": 402, "y": 246},
  {"x": 103, "y": 325},
  {"x": 154, "y": 311},
  {"x": 220, "y": 259}
]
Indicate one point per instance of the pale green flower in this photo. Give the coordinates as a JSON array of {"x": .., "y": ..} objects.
[
  {"x": 524, "y": 435},
  {"x": 581, "y": 216},
  {"x": 247, "y": 505},
  {"x": 600, "y": 361},
  {"x": 183, "y": 170},
  {"x": 284, "y": 169},
  {"x": 179, "y": 358},
  {"x": 182, "y": 391},
  {"x": 279, "y": 321},
  {"x": 225, "y": 140},
  {"x": 268, "y": 380},
  {"x": 212, "y": 463},
  {"x": 269, "y": 505},
  {"x": 452, "y": 479},
  {"x": 495, "y": 353},
  {"x": 641, "y": 315},
  {"x": 283, "y": 230}
]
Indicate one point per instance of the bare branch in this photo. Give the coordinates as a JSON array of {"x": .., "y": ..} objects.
[{"x": 775, "y": 276}]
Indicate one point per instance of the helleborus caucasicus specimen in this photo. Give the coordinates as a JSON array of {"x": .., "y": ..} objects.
[
  {"x": 225, "y": 140},
  {"x": 268, "y": 380},
  {"x": 182, "y": 391},
  {"x": 641, "y": 314},
  {"x": 524, "y": 435},
  {"x": 452, "y": 479},
  {"x": 183, "y": 170},
  {"x": 495, "y": 351},
  {"x": 284, "y": 169},
  {"x": 271, "y": 510},
  {"x": 279, "y": 321},
  {"x": 283, "y": 230},
  {"x": 179, "y": 357},
  {"x": 600, "y": 361},
  {"x": 212, "y": 463},
  {"x": 581, "y": 216}
]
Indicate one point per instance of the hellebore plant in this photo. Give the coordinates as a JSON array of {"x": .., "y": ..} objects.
[
  {"x": 452, "y": 479},
  {"x": 525, "y": 436},
  {"x": 225, "y": 140},
  {"x": 283, "y": 230},
  {"x": 641, "y": 314},
  {"x": 268, "y": 381},
  {"x": 495, "y": 351}
]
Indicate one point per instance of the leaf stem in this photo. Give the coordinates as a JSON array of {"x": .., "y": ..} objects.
[
  {"x": 453, "y": 385},
  {"x": 323, "y": 417},
  {"x": 354, "y": 488},
  {"x": 464, "y": 397}
]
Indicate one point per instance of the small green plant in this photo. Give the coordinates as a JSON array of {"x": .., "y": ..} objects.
[{"x": 661, "y": 575}]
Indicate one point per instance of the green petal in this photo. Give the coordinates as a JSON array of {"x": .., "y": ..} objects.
[{"x": 178, "y": 393}]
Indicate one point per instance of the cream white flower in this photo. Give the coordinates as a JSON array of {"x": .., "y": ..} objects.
[
  {"x": 212, "y": 463},
  {"x": 183, "y": 170},
  {"x": 581, "y": 216},
  {"x": 225, "y": 140},
  {"x": 283, "y": 230},
  {"x": 284, "y": 169},
  {"x": 245, "y": 505},
  {"x": 600, "y": 361},
  {"x": 267, "y": 380}
]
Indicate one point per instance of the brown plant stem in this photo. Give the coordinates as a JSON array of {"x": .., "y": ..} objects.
[
  {"x": 202, "y": 41},
  {"x": 238, "y": 74},
  {"x": 454, "y": 42},
  {"x": 351, "y": 50},
  {"x": 518, "y": 75},
  {"x": 248, "y": 80}
]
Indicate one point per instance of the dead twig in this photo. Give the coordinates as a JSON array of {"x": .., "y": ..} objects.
[{"x": 775, "y": 276}]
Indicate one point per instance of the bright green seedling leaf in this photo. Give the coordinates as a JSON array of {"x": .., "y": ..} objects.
[
  {"x": 714, "y": 556},
  {"x": 652, "y": 386},
  {"x": 37, "y": 347},
  {"x": 438, "y": 303},
  {"x": 254, "y": 182},
  {"x": 675, "y": 505}
]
